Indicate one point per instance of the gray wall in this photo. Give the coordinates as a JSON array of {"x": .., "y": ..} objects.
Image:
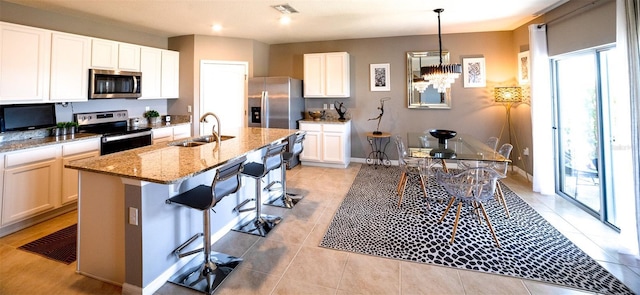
[{"x": 473, "y": 110}]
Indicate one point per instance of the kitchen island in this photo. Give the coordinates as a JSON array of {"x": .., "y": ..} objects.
[{"x": 126, "y": 232}]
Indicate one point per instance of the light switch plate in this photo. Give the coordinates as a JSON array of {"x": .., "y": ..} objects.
[{"x": 133, "y": 216}]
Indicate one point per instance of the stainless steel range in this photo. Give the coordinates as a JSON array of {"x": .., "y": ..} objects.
[{"x": 116, "y": 134}]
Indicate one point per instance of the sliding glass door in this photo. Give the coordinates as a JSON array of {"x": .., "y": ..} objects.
[{"x": 592, "y": 144}]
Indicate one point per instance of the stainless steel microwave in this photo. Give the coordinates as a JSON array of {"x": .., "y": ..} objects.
[{"x": 114, "y": 84}]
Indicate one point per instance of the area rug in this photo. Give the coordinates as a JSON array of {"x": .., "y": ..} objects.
[
  {"x": 369, "y": 222},
  {"x": 59, "y": 246}
]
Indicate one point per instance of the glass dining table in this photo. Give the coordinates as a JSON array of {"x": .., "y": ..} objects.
[{"x": 460, "y": 147}]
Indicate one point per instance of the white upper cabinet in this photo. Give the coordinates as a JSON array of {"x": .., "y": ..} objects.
[
  {"x": 327, "y": 75},
  {"x": 24, "y": 64},
  {"x": 112, "y": 55},
  {"x": 128, "y": 57},
  {"x": 104, "y": 54},
  {"x": 70, "y": 58},
  {"x": 151, "y": 68},
  {"x": 170, "y": 74},
  {"x": 160, "y": 73}
]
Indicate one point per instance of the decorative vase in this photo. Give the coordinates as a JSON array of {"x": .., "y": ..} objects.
[{"x": 153, "y": 120}]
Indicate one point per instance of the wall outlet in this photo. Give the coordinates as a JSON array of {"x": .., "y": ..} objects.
[
  {"x": 146, "y": 109},
  {"x": 133, "y": 216},
  {"x": 325, "y": 106},
  {"x": 189, "y": 109},
  {"x": 525, "y": 152}
]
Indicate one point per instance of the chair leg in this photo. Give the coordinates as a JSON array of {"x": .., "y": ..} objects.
[
  {"x": 447, "y": 209},
  {"x": 424, "y": 190},
  {"x": 455, "y": 224},
  {"x": 401, "y": 181},
  {"x": 502, "y": 200},
  {"x": 493, "y": 233},
  {"x": 402, "y": 186},
  {"x": 444, "y": 166}
]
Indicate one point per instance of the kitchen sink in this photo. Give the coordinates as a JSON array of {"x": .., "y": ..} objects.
[
  {"x": 211, "y": 138},
  {"x": 198, "y": 141},
  {"x": 187, "y": 143}
]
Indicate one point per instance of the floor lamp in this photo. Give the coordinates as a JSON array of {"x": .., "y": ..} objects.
[{"x": 508, "y": 96}]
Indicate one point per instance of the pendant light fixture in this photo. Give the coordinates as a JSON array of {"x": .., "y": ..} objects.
[{"x": 440, "y": 76}]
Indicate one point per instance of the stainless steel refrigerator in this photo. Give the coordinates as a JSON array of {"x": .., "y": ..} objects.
[{"x": 276, "y": 102}]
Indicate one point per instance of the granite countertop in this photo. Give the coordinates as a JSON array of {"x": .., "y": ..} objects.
[
  {"x": 166, "y": 164},
  {"x": 324, "y": 121},
  {"x": 14, "y": 145}
]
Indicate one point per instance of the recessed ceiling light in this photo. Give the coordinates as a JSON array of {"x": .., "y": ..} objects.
[
  {"x": 285, "y": 19},
  {"x": 216, "y": 28}
]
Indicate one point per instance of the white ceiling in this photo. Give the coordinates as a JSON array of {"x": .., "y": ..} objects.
[{"x": 317, "y": 20}]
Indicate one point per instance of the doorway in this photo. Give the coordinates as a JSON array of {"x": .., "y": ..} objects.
[
  {"x": 223, "y": 92},
  {"x": 593, "y": 139}
]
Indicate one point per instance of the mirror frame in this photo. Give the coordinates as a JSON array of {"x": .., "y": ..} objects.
[{"x": 414, "y": 100}]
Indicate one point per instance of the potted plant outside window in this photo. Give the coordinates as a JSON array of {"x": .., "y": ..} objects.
[{"x": 152, "y": 116}]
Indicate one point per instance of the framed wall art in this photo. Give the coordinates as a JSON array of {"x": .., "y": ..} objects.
[
  {"x": 474, "y": 72},
  {"x": 523, "y": 67},
  {"x": 380, "y": 77}
]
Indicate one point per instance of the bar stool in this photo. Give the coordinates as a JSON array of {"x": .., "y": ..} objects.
[
  {"x": 288, "y": 199},
  {"x": 260, "y": 224},
  {"x": 206, "y": 275}
]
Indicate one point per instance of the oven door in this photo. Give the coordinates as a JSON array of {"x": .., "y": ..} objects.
[{"x": 117, "y": 143}]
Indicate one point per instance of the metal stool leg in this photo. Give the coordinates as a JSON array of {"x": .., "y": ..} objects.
[
  {"x": 258, "y": 224},
  {"x": 286, "y": 199},
  {"x": 207, "y": 273}
]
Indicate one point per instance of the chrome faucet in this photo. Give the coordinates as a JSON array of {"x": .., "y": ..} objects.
[{"x": 215, "y": 134}]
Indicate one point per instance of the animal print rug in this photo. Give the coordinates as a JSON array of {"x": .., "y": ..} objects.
[{"x": 369, "y": 222}]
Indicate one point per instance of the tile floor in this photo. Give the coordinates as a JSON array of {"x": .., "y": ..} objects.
[{"x": 288, "y": 260}]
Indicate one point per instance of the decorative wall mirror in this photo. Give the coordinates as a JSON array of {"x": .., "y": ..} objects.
[{"x": 430, "y": 98}]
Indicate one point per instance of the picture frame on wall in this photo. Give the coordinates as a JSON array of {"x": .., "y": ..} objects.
[
  {"x": 380, "y": 77},
  {"x": 474, "y": 72},
  {"x": 523, "y": 67}
]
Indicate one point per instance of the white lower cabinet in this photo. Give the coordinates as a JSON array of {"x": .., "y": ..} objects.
[
  {"x": 167, "y": 134},
  {"x": 32, "y": 183},
  {"x": 181, "y": 131},
  {"x": 72, "y": 152},
  {"x": 326, "y": 144}
]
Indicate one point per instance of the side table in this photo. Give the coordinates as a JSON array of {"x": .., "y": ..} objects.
[{"x": 378, "y": 143}]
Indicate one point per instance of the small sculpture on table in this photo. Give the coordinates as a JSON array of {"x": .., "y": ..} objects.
[
  {"x": 379, "y": 117},
  {"x": 339, "y": 106}
]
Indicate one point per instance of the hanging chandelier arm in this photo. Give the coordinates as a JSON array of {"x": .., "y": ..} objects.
[{"x": 438, "y": 11}]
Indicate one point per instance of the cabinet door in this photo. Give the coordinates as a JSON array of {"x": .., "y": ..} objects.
[
  {"x": 70, "y": 177},
  {"x": 128, "y": 57},
  {"x": 70, "y": 56},
  {"x": 170, "y": 74},
  {"x": 181, "y": 131},
  {"x": 151, "y": 68},
  {"x": 312, "y": 147},
  {"x": 104, "y": 54},
  {"x": 162, "y": 134},
  {"x": 337, "y": 75},
  {"x": 35, "y": 186},
  {"x": 333, "y": 147},
  {"x": 24, "y": 64},
  {"x": 314, "y": 73}
]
